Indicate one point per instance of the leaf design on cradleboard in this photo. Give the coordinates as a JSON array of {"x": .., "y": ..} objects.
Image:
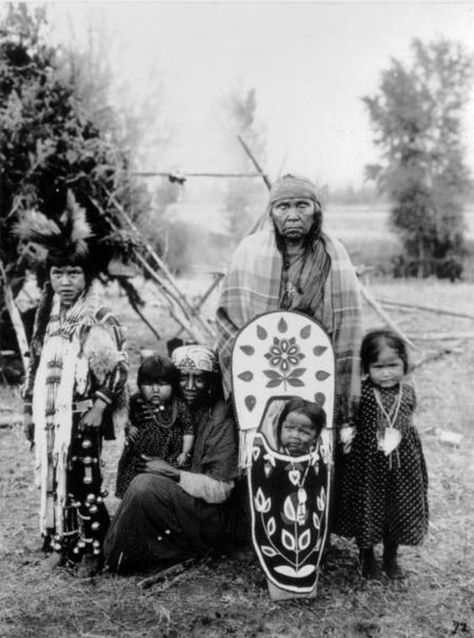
[
  {"x": 274, "y": 383},
  {"x": 271, "y": 374},
  {"x": 270, "y": 459},
  {"x": 282, "y": 325},
  {"x": 286, "y": 570},
  {"x": 316, "y": 521},
  {"x": 321, "y": 500},
  {"x": 304, "y": 540},
  {"x": 268, "y": 551},
  {"x": 297, "y": 372},
  {"x": 250, "y": 402},
  {"x": 271, "y": 526},
  {"x": 305, "y": 332},
  {"x": 295, "y": 383},
  {"x": 322, "y": 375},
  {"x": 294, "y": 475},
  {"x": 261, "y": 333},
  {"x": 262, "y": 504},
  {"x": 289, "y": 509},
  {"x": 288, "y": 540},
  {"x": 248, "y": 350},
  {"x": 246, "y": 376},
  {"x": 320, "y": 398},
  {"x": 275, "y": 378},
  {"x": 319, "y": 350}
]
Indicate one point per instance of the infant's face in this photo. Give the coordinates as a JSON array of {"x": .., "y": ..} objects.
[
  {"x": 297, "y": 434},
  {"x": 156, "y": 393}
]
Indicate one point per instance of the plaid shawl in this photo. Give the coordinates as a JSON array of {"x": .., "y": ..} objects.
[{"x": 252, "y": 287}]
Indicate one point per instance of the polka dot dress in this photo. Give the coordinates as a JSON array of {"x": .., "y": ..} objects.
[
  {"x": 158, "y": 435},
  {"x": 384, "y": 496}
]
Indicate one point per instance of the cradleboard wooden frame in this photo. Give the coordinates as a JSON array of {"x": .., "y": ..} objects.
[{"x": 276, "y": 357}]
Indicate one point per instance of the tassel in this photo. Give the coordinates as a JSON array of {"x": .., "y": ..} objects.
[{"x": 246, "y": 438}]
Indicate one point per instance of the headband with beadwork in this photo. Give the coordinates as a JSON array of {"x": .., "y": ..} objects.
[{"x": 195, "y": 358}]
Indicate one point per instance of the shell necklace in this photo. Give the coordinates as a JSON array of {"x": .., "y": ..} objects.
[{"x": 389, "y": 437}]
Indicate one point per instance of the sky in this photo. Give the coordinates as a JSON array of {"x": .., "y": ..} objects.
[{"x": 310, "y": 63}]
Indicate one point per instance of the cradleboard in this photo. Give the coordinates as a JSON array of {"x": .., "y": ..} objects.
[{"x": 276, "y": 357}]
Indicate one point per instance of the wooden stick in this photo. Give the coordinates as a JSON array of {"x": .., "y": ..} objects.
[
  {"x": 253, "y": 159},
  {"x": 434, "y": 356},
  {"x": 205, "y": 296},
  {"x": 438, "y": 311},
  {"x": 185, "y": 175},
  {"x": 163, "y": 284},
  {"x": 180, "y": 298},
  {"x": 379, "y": 310},
  {"x": 163, "y": 574},
  {"x": 16, "y": 319},
  {"x": 183, "y": 321},
  {"x": 442, "y": 336},
  {"x": 124, "y": 284},
  {"x": 165, "y": 288}
]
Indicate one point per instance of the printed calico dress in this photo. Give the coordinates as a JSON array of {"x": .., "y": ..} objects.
[
  {"x": 160, "y": 434},
  {"x": 384, "y": 496}
]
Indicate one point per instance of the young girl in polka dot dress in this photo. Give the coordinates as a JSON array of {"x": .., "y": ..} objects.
[{"x": 384, "y": 486}]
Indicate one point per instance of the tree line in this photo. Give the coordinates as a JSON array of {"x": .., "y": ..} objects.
[{"x": 58, "y": 132}]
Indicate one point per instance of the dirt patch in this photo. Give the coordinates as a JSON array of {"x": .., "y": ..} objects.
[{"x": 228, "y": 597}]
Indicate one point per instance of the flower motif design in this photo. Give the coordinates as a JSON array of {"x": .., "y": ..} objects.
[
  {"x": 262, "y": 504},
  {"x": 284, "y": 354}
]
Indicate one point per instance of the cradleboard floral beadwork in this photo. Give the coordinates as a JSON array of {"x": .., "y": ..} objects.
[{"x": 282, "y": 374}]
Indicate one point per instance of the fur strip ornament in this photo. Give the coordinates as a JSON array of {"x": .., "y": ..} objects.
[{"x": 66, "y": 236}]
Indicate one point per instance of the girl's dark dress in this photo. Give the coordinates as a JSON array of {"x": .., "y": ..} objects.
[
  {"x": 384, "y": 496},
  {"x": 160, "y": 433}
]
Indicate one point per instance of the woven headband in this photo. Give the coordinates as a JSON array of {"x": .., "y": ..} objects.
[
  {"x": 293, "y": 186},
  {"x": 200, "y": 358}
]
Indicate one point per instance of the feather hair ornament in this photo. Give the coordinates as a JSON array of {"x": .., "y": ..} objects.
[{"x": 66, "y": 236}]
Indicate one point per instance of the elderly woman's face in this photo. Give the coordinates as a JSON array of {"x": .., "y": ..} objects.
[
  {"x": 293, "y": 217},
  {"x": 194, "y": 385}
]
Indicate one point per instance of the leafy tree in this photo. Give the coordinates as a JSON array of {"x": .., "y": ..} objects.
[
  {"x": 244, "y": 197},
  {"x": 50, "y": 143},
  {"x": 417, "y": 117}
]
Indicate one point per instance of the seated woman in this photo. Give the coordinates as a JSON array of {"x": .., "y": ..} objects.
[{"x": 168, "y": 514}]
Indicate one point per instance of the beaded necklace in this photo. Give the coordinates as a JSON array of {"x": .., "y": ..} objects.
[
  {"x": 159, "y": 417},
  {"x": 389, "y": 436},
  {"x": 392, "y": 414}
]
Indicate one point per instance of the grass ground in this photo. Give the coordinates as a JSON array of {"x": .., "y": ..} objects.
[{"x": 228, "y": 596}]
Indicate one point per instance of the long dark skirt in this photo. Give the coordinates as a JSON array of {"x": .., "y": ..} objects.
[
  {"x": 158, "y": 523},
  {"x": 382, "y": 502},
  {"x": 85, "y": 515}
]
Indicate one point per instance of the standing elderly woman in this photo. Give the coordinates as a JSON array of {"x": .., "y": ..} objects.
[
  {"x": 293, "y": 265},
  {"x": 168, "y": 514}
]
